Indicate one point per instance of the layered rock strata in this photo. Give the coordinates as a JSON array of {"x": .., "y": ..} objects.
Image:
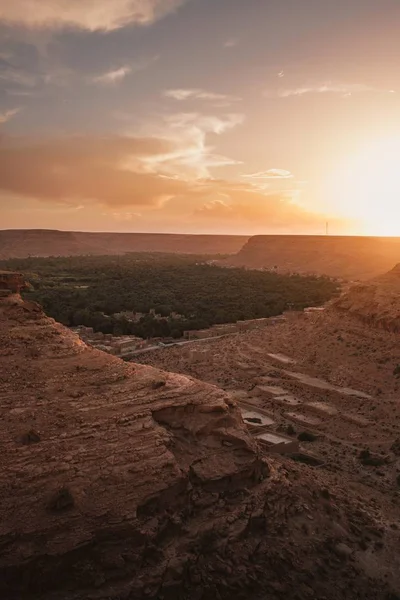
[{"x": 120, "y": 481}]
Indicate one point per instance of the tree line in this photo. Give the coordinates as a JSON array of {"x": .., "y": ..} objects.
[{"x": 91, "y": 290}]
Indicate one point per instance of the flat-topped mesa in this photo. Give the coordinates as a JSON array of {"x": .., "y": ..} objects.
[
  {"x": 100, "y": 457},
  {"x": 11, "y": 283},
  {"x": 345, "y": 257}
]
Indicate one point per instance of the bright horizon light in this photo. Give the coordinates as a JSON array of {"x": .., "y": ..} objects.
[{"x": 366, "y": 188}]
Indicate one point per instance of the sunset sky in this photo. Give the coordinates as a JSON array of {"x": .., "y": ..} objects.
[{"x": 219, "y": 116}]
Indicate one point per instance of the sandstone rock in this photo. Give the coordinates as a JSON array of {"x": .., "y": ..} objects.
[
  {"x": 123, "y": 491},
  {"x": 115, "y": 452},
  {"x": 11, "y": 282},
  {"x": 343, "y": 550}
]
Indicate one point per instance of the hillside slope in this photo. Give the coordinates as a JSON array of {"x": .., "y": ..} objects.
[
  {"x": 20, "y": 243},
  {"x": 343, "y": 257},
  {"x": 122, "y": 481},
  {"x": 376, "y": 301}
]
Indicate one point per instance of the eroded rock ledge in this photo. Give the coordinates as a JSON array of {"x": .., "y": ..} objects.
[
  {"x": 119, "y": 481},
  {"x": 91, "y": 445}
]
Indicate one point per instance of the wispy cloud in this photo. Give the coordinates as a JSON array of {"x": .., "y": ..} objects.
[
  {"x": 205, "y": 123},
  {"x": 231, "y": 43},
  {"x": 192, "y": 157},
  {"x": 84, "y": 173},
  {"x": 9, "y": 114},
  {"x": 198, "y": 94},
  {"x": 344, "y": 90},
  {"x": 11, "y": 75},
  {"x": 124, "y": 216},
  {"x": 24, "y": 93},
  {"x": 270, "y": 174},
  {"x": 112, "y": 77},
  {"x": 92, "y": 15}
]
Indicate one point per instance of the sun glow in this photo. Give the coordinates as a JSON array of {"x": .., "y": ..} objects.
[{"x": 366, "y": 188}]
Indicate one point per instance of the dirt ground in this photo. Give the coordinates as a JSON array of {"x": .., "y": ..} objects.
[{"x": 357, "y": 430}]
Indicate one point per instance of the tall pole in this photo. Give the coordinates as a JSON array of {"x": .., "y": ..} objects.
[{"x": 327, "y": 228}]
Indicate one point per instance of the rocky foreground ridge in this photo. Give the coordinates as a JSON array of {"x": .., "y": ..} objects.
[
  {"x": 376, "y": 302},
  {"x": 346, "y": 257},
  {"x": 119, "y": 481}
]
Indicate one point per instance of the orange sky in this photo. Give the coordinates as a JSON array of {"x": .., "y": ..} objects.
[{"x": 200, "y": 116}]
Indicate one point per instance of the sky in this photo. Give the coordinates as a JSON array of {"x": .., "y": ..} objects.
[{"x": 200, "y": 116}]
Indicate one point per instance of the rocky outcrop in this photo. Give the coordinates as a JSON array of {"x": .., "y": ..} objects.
[
  {"x": 11, "y": 283},
  {"x": 376, "y": 302},
  {"x": 90, "y": 443},
  {"x": 353, "y": 258},
  {"x": 119, "y": 480},
  {"x": 20, "y": 243}
]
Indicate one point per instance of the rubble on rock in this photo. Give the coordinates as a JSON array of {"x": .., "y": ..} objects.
[{"x": 113, "y": 487}]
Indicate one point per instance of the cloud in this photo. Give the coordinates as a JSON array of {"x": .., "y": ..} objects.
[
  {"x": 92, "y": 15},
  {"x": 198, "y": 94},
  {"x": 103, "y": 170},
  {"x": 24, "y": 93},
  {"x": 231, "y": 43},
  {"x": 270, "y": 174},
  {"x": 112, "y": 77},
  {"x": 127, "y": 177},
  {"x": 192, "y": 156},
  {"x": 246, "y": 206},
  {"x": 124, "y": 216},
  {"x": 9, "y": 114},
  {"x": 205, "y": 123},
  {"x": 12, "y": 75},
  {"x": 344, "y": 90}
]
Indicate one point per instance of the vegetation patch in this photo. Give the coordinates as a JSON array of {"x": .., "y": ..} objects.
[
  {"x": 171, "y": 293},
  {"x": 306, "y": 436}
]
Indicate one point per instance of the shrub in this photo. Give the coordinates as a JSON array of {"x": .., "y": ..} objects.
[{"x": 306, "y": 436}]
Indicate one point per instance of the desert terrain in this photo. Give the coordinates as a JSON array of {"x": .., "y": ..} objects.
[
  {"x": 121, "y": 480},
  {"x": 345, "y": 257},
  {"x": 329, "y": 378},
  {"x": 375, "y": 302},
  {"x": 326, "y": 374},
  {"x": 21, "y": 243},
  {"x": 350, "y": 258}
]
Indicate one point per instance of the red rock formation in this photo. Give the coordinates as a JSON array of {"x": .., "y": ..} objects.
[
  {"x": 11, "y": 282},
  {"x": 122, "y": 481},
  {"x": 90, "y": 444}
]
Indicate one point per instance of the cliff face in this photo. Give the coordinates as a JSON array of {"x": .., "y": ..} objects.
[
  {"x": 342, "y": 257},
  {"x": 36, "y": 242},
  {"x": 122, "y": 481},
  {"x": 376, "y": 302}
]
